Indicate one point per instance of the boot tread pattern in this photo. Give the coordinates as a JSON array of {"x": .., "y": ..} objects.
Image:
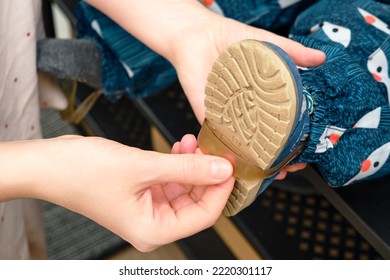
[{"x": 249, "y": 91}]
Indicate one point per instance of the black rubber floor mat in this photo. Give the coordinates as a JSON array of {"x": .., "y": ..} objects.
[
  {"x": 286, "y": 225},
  {"x": 71, "y": 236}
]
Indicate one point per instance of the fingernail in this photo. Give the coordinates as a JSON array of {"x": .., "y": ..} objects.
[{"x": 220, "y": 169}]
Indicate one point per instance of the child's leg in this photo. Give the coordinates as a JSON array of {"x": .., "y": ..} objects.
[
  {"x": 342, "y": 96},
  {"x": 353, "y": 82},
  {"x": 361, "y": 153}
]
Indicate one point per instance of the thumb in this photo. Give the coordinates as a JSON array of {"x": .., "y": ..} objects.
[
  {"x": 194, "y": 169},
  {"x": 301, "y": 55}
]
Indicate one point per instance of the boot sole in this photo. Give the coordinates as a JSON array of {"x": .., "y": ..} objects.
[{"x": 251, "y": 108}]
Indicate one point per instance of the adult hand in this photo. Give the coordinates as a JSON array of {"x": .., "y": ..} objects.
[
  {"x": 191, "y": 37},
  {"x": 147, "y": 198},
  {"x": 197, "y": 46}
]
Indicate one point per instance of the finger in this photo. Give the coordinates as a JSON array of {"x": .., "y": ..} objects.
[
  {"x": 295, "y": 167},
  {"x": 202, "y": 214},
  {"x": 198, "y": 152},
  {"x": 174, "y": 190},
  {"x": 190, "y": 169},
  {"x": 188, "y": 144},
  {"x": 182, "y": 201},
  {"x": 282, "y": 174},
  {"x": 176, "y": 148},
  {"x": 301, "y": 55}
]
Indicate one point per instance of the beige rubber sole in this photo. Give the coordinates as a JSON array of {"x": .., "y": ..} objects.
[{"x": 251, "y": 105}]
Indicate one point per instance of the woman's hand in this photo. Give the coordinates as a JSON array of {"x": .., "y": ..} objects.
[
  {"x": 147, "y": 198},
  {"x": 197, "y": 46},
  {"x": 191, "y": 37}
]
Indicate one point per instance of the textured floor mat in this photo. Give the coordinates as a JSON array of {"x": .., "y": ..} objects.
[{"x": 294, "y": 226}]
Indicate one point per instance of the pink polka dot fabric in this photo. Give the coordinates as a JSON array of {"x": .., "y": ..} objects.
[{"x": 20, "y": 27}]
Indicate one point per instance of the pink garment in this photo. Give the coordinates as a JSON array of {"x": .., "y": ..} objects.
[{"x": 21, "y": 221}]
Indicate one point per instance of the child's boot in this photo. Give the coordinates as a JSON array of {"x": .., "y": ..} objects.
[{"x": 256, "y": 116}]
